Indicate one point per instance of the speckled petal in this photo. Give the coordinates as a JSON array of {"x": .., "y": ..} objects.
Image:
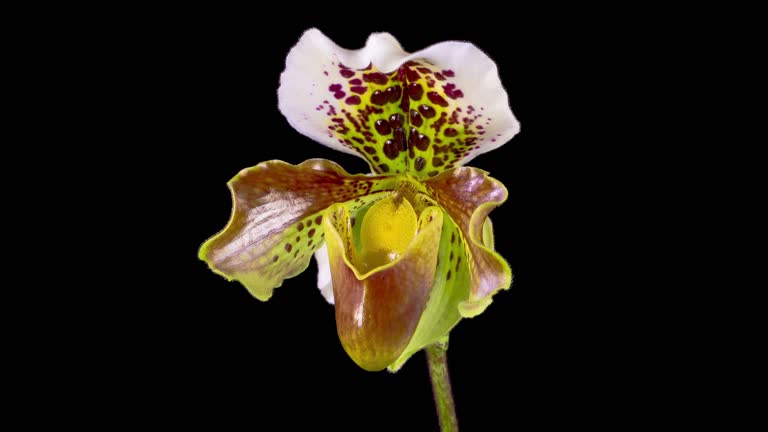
[
  {"x": 468, "y": 195},
  {"x": 420, "y": 113},
  {"x": 377, "y": 311},
  {"x": 276, "y": 221}
]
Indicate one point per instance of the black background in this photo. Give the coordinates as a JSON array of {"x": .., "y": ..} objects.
[{"x": 189, "y": 99}]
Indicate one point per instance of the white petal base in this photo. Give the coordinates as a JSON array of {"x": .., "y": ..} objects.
[{"x": 324, "y": 282}]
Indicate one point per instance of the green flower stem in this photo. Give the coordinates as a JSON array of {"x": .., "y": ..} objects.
[{"x": 437, "y": 360}]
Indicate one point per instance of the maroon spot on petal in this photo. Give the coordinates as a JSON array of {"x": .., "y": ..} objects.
[
  {"x": 450, "y": 132},
  {"x": 439, "y": 76},
  {"x": 288, "y": 247},
  {"x": 334, "y": 88},
  {"x": 423, "y": 70},
  {"x": 311, "y": 232},
  {"x": 319, "y": 219},
  {"x": 422, "y": 142},
  {"x": 393, "y": 93},
  {"x": 382, "y": 127},
  {"x": 339, "y": 94},
  {"x": 448, "y": 276},
  {"x": 413, "y": 136},
  {"x": 415, "y": 91},
  {"x": 376, "y": 78},
  {"x": 300, "y": 226},
  {"x": 396, "y": 120},
  {"x": 416, "y": 118},
  {"x": 432, "y": 173},
  {"x": 398, "y": 137},
  {"x": 347, "y": 73},
  {"x": 379, "y": 98},
  {"x": 436, "y": 99},
  {"x": 298, "y": 238},
  {"x": 391, "y": 149},
  {"x": 369, "y": 150},
  {"x": 355, "y": 81},
  {"x": 452, "y": 92},
  {"x": 411, "y": 74},
  {"x": 449, "y": 73},
  {"x": 358, "y": 89},
  {"x": 384, "y": 168},
  {"x": 405, "y": 101},
  {"x": 419, "y": 163},
  {"x": 353, "y": 100},
  {"x": 274, "y": 258},
  {"x": 427, "y": 111}
]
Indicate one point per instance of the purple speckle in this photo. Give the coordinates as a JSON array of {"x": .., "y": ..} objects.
[
  {"x": 449, "y": 73},
  {"x": 355, "y": 81},
  {"x": 347, "y": 73},
  {"x": 353, "y": 100},
  {"x": 452, "y": 92},
  {"x": 334, "y": 88},
  {"x": 376, "y": 78},
  {"x": 436, "y": 99},
  {"x": 339, "y": 94},
  {"x": 359, "y": 89}
]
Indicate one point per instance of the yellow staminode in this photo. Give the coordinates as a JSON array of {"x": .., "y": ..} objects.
[{"x": 388, "y": 228}]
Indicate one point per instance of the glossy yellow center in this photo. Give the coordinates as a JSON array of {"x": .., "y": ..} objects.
[{"x": 388, "y": 228}]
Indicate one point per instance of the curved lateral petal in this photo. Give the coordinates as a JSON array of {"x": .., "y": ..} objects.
[
  {"x": 276, "y": 221},
  {"x": 377, "y": 312},
  {"x": 420, "y": 113},
  {"x": 468, "y": 195}
]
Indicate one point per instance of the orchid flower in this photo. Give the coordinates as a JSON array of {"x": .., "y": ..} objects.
[{"x": 404, "y": 252}]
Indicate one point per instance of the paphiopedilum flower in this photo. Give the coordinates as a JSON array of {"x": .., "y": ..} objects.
[{"x": 406, "y": 251}]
